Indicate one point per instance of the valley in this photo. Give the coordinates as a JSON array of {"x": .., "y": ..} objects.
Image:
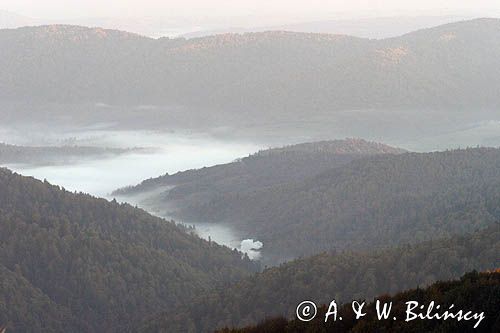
[{"x": 215, "y": 182}]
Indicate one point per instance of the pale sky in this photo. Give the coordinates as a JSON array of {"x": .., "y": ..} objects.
[{"x": 291, "y": 9}]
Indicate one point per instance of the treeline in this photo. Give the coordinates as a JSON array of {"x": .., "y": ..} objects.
[
  {"x": 10, "y": 154},
  {"x": 475, "y": 292},
  {"x": 74, "y": 263},
  {"x": 343, "y": 276}
]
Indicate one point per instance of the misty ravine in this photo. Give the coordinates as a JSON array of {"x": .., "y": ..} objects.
[{"x": 166, "y": 152}]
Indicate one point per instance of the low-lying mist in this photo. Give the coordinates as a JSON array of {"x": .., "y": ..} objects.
[
  {"x": 221, "y": 233},
  {"x": 164, "y": 153},
  {"x": 177, "y": 150}
]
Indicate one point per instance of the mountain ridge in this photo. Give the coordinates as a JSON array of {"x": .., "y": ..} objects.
[
  {"x": 173, "y": 195},
  {"x": 253, "y": 73},
  {"x": 57, "y": 28}
]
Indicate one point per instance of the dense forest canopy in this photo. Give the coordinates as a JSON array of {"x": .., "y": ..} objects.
[
  {"x": 175, "y": 194},
  {"x": 344, "y": 219},
  {"x": 101, "y": 265},
  {"x": 444, "y": 68},
  {"x": 344, "y": 276},
  {"x": 25, "y": 308},
  {"x": 378, "y": 201},
  {"x": 475, "y": 292},
  {"x": 353, "y": 203}
]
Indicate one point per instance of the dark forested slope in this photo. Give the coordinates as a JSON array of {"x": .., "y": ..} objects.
[
  {"x": 378, "y": 201},
  {"x": 25, "y": 308},
  {"x": 343, "y": 276},
  {"x": 105, "y": 264},
  {"x": 368, "y": 202},
  {"x": 475, "y": 292},
  {"x": 446, "y": 67},
  {"x": 182, "y": 194}
]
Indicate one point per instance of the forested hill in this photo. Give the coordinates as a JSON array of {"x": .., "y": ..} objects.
[
  {"x": 344, "y": 276},
  {"x": 48, "y": 155},
  {"x": 378, "y": 201},
  {"x": 446, "y": 67},
  {"x": 374, "y": 201},
  {"x": 182, "y": 193},
  {"x": 93, "y": 265},
  {"x": 476, "y": 292}
]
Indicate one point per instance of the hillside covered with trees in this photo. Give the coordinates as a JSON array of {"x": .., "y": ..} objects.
[
  {"x": 182, "y": 194},
  {"x": 73, "y": 263},
  {"x": 476, "y": 292},
  {"x": 344, "y": 276},
  {"x": 443, "y": 68},
  {"x": 375, "y": 201},
  {"x": 343, "y": 219},
  {"x": 25, "y": 308}
]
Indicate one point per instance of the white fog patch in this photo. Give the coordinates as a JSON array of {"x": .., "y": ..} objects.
[
  {"x": 251, "y": 248},
  {"x": 165, "y": 152},
  {"x": 219, "y": 233},
  {"x": 168, "y": 152},
  {"x": 225, "y": 235}
]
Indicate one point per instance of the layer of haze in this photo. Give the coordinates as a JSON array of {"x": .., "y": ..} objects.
[
  {"x": 257, "y": 12},
  {"x": 167, "y": 153},
  {"x": 175, "y": 152}
]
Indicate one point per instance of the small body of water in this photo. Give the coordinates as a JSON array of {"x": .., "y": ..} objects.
[{"x": 168, "y": 153}]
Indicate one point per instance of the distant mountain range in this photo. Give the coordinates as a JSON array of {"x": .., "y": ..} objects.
[
  {"x": 443, "y": 68},
  {"x": 147, "y": 26},
  {"x": 356, "y": 218},
  {"x": 378, "y": 27},
  {"x": 13, "y": 154}
]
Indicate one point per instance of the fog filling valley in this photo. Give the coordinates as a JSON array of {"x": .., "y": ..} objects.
[
  {"x": 160, "y": 152},
  {"x": 163, "y": 153},
  {"x": 109, "y": 109}
]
